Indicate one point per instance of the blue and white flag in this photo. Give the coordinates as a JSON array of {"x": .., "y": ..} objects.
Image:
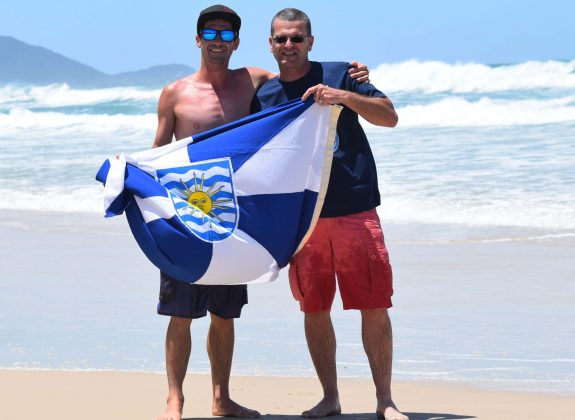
[{"x": 233, "y": 204}]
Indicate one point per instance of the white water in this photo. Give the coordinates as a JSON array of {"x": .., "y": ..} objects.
[
  {"x": 435, "y": 76},
  {"x": 476, "y": 145}
]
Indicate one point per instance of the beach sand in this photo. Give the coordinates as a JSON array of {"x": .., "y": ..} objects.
[
  {"x": 74, "y": 298},
  {"x": 58, "y": 395}
]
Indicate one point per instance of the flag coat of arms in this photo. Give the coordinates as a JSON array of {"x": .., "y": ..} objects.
[{"x": 231, "y": 205}]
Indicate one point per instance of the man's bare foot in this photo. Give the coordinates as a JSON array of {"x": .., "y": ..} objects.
[
  {"x": 388, "y": 411},
  {"x": 328, "y": 406},
  {"x": 229, "y": 408},
  {"x": 173, "y": 411}
]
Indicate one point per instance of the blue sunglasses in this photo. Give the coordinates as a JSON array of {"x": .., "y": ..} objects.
[{"x": 226, "y": 35}]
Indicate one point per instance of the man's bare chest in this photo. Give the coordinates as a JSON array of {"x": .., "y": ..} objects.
[{"x": 205, "y": 113}]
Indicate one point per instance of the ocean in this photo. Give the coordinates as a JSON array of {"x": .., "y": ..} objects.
[{"x": 482, "y": 163}]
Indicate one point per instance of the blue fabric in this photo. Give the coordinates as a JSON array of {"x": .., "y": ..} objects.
[
  {"x": 168, "y": 247},
  {"x": 353, "y": 186},
  {"x": 293, "y": 210}
]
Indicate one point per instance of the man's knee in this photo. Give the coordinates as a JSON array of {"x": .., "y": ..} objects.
[
  {"x": 317, "y": 318},
  {"x": 375, "y": 316},
  {"x": 219, "y": 322},
  {"x": 180, "y": 322}
]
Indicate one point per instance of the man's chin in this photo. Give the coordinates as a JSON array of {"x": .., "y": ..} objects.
[
  {"x": 289, "y": 63},
  {"x": 219, "y": 58}
]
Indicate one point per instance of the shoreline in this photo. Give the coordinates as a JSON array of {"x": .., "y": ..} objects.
[
  {"x": 479, "y": 385},
  {"x": 487, "y": 385},
  {"x": 61, "y": 395},
  {"x": 464, "y": 307}
]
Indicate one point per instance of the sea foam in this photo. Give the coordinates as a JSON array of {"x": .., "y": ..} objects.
[
  {"x": 476, "y": 145},
  {"x": 436, "y": 76},
  {"x": 60, "y": 95},
  {"x": 461, "y": 112},
  {"x": 22, "y": 122},
  {"x": 447, "y": 112}
]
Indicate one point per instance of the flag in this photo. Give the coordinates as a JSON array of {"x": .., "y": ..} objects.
[{"x": 231, "y": 205}]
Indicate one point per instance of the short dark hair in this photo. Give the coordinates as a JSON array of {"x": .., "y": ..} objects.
[
  {"x": 218, "y": 11},
  {"x": 292, "y": 15}
]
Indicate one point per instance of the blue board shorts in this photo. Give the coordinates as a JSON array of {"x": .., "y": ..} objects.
[{"x": 194, "y": 300}]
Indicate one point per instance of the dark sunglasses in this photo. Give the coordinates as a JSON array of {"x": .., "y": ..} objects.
[
  {"x": 226, "y": 35},
  {"x": 296, "y": 39}
]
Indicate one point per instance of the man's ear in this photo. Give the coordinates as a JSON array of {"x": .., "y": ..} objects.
[
  {"x": 198, "y": 41},
  {"x": 236, "y": 44},
  {"x": 310, "y": 42},
  {"x": 271, "y": 41}
]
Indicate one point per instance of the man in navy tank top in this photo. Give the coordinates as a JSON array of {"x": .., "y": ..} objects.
[{"x": 347, "y": 243}]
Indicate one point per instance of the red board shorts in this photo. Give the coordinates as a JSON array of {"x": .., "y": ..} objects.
[{"x": 351, "y": 247}]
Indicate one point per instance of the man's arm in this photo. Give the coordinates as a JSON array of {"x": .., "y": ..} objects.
[
  {"x": 378, "y": 111},
  {"x": 166, "y": 117},
  {"x": 357, "y": 71},
  {"x": 259, "y": 76}
]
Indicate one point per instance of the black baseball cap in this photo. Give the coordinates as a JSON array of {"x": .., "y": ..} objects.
[{"x": 219, "y": 12}]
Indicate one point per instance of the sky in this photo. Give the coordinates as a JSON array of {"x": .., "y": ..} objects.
[{"x": 116, "y": 35}]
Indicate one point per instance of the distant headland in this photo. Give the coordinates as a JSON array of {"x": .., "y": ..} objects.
[{"x": 29, "y": 64}]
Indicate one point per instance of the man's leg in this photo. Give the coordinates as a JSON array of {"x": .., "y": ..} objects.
[
  {"x": 321, "y": 343},
  {"x": 178, "y": 349},
  {"x": 378, "y": 345},
  {"x": 220, "y": 346},
  {"x": 312, "y": 282}
]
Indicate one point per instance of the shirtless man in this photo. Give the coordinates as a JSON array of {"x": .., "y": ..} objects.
[{"x": 213, "y": 96}]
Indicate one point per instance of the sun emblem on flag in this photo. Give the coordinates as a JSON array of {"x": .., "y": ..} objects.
[{"x": 203, "y": 200}]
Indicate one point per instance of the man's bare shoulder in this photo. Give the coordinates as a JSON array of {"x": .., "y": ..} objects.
[
  {"x": 175, "y": 88},
  {"x": 186, "y": 90}
]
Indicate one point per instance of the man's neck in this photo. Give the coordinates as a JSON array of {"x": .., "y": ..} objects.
[
  {"x": 214, "y": 73},
  {"x": 290, "y": 75}
]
